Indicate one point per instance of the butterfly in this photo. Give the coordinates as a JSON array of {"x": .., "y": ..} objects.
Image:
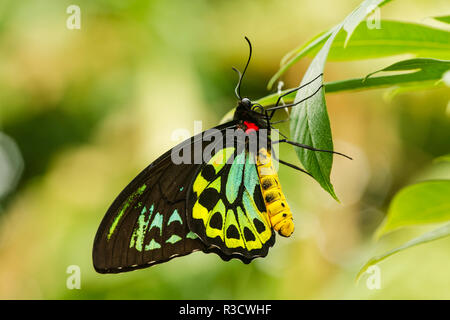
[{"x": 217, "y": 192}]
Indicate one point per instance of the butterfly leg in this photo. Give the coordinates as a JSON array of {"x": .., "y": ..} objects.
[
  {"x": 280, "y": 121},
  {"x": 293, "y": 166},
  {"x": 304, "y": 146},
  {"x": 276, "y": 107}
]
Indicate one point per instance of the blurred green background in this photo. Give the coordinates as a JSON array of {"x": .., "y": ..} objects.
[{"x": 83, "y": 111}]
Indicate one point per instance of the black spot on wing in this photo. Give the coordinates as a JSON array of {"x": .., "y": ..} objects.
[
  {"x": 216, "y": 221},
  {"x": 208, "y": 198},
  {"x": 208, "y": 173},
  {"x": 248, "y": 235},
  {"x": 260, "y": 227},
  {"x": 259, "y": 201},
  {"x": 232, "y": 232}
]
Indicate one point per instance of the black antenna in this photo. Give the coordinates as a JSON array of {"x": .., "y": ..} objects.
[{"x": 237, "y": 90}]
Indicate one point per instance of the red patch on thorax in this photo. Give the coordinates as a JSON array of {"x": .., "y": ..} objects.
[{"x": 250, "y": 127}]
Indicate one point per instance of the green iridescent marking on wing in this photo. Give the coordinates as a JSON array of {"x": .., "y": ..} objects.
[
  {"x": 152, "y": 245},
  {"x": 181, "y": 189},
  {"x": 251, "y": 179},
  {"x": 213, "y": 232},
  {"x": 157, "y": 222},
  {"x": 191, "y": 235},
  {"x": 175, "y": 217},
  {"x": 234, "y": 178},
  {"x": 125, "y": 206},
  {"x": 251, "y": 242},
  {"x": 231, "y": 223},
  {"x": 173, "y": 239},
  {"x": 254, "y": 239},
  {"x": 253, "y": 213},
  {"x": 232, "y": 211},
  {"x": 221, "y": 158},
  {"x": 137, "y": 239}
]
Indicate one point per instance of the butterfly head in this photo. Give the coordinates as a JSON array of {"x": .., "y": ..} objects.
[{"x": 247, "y": 111}]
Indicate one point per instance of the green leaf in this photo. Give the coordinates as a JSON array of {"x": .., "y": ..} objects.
[
  {"x": 349, "y": 24},
  {"x": 228, "y": 117},
  {"x": 433, "y": 66},
  {"x": 418, "y": 204},
  {"x": 393, "y": 38},
  {"x": 444, "y": 158},
  {"x": 309, "y": 122},
  {"x": 359, "y": 14},
  {"x": 310, "y": 125},
  {"x": 435, "y": 234},
  {"x": 312, "y": 44},
  {"x": 445, "y": 19},
  {"x": 292, "y": 57},
  {"x": 424, "y": 72}
]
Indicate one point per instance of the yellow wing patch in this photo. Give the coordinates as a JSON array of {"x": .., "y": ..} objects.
[{"x": 236, "y": 221}]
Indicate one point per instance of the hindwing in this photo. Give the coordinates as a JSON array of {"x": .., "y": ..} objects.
[{"x": 225, "y": 207}]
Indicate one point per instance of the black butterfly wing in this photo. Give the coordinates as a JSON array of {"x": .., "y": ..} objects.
[{"x": 146, "y": 224}]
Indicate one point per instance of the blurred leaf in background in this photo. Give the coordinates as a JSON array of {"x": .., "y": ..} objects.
[{"x": 421, "y": 203}]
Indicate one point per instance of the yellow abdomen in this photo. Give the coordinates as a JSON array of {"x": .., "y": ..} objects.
[{"x": 280, "y": 214}]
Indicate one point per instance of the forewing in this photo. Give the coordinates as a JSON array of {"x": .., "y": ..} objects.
[{"x": 147, "y": 224}]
